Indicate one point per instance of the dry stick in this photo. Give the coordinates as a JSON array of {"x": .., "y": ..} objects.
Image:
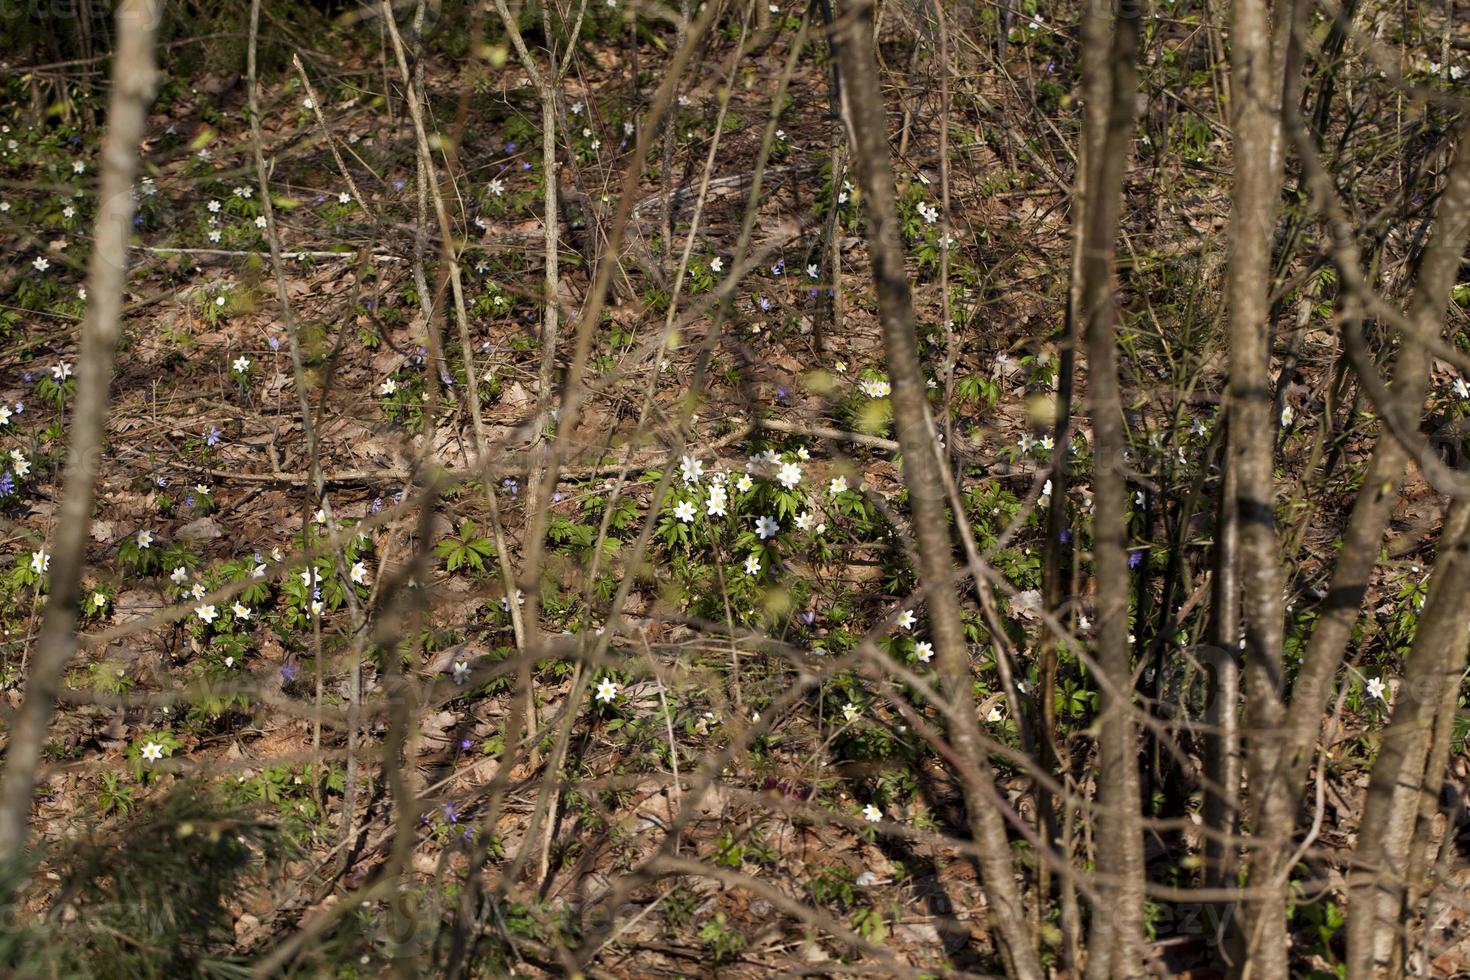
[
  {"x": 1094, "y": 125},
  {"x": 507, "y": 573},
  {"x": 572, "y": 36},
  {"x": 492, "y": 500},
  {"x": 1402, "y": 428},
  {"x": 868, "y": 133},
  {"x": 1257, "y": 60},
  {"x": 472, "y": 382},
  {"x": 319, "y": 925},
  {"x": 133, "y": 81},
  {"x": 550, "y": 790},
  {"x": 316, "y": 108},
  {"x": 415, "y": 100},
  {"x": 951, "y": 352},
  {"x": 829, "y": 434},
  {"x": 428, "y": 301},
  {"x": 351, "y": 256},
  {"x": 550, "y": 326},
  {"x": 537, "y": 496},
  {"x": 354, "y": 680},
  {"x": 666, "y": 163},
  {"x": 288, "y": 320},
  {"x": 1117, "y": 925}
]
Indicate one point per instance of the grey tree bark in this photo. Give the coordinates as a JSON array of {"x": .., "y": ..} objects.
[
  {"x": 1411, "y": 764},
  {"x": 1110, "y": 84},
  {"x": 1400, "y": 777},
  {"x": 1256, "y": 63},
  {"x": 133, "y": 82}
]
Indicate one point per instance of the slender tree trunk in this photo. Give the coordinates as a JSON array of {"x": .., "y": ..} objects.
[
  {"x": 1117, "y": 923},
  {"x": 1256, "y": 83},
  {"x": 1222, "y": 742},
  {"x": 1408, "y": 772},
  {"x": 1094, "y": 125},
  {"x": 921, "y": 464},
  {"x": 1363, "y": 537},
  {"x": 133, "y": 82},
  {"x": 1376, "y": 921}
]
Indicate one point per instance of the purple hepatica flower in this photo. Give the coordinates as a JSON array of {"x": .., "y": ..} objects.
[
  {"x": 288, "y": 672},
  {"x": 451, "y": 812},
  {"x": 320, "y": 198},
  {"x": 138, "y": 220},
  {"x": 376, "y": 505},
  {"x": 7, "y": 484},
  {"x": 556, "y": 497},
  {"x": 469, "y": 833},
  {"x": 162, "y": 481},
  {"x": 211, "y": 437},
  {"x": 809, "y": 617},
  {"x": 779, "y": 267},
  {"x": 398, "y": 184},
  {"x": 20, "y": 408},
  {"x": 1065, "y": 534},
  {"x": 1135, "y": 558},
  {"x": 275, "y": 343},
  {"x": 26, "y": 377},
  {"x": 465, "y": 745},
  {"x": 510, "y": 148},
  {"x": 525, "y": 166},
  {"x": 512, "y": 486},
  {"x": 189, "y": 500},
  {"x": 765, "y": 304}
]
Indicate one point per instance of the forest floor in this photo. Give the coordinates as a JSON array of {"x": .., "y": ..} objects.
[{"x": 743, "y": 727}]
